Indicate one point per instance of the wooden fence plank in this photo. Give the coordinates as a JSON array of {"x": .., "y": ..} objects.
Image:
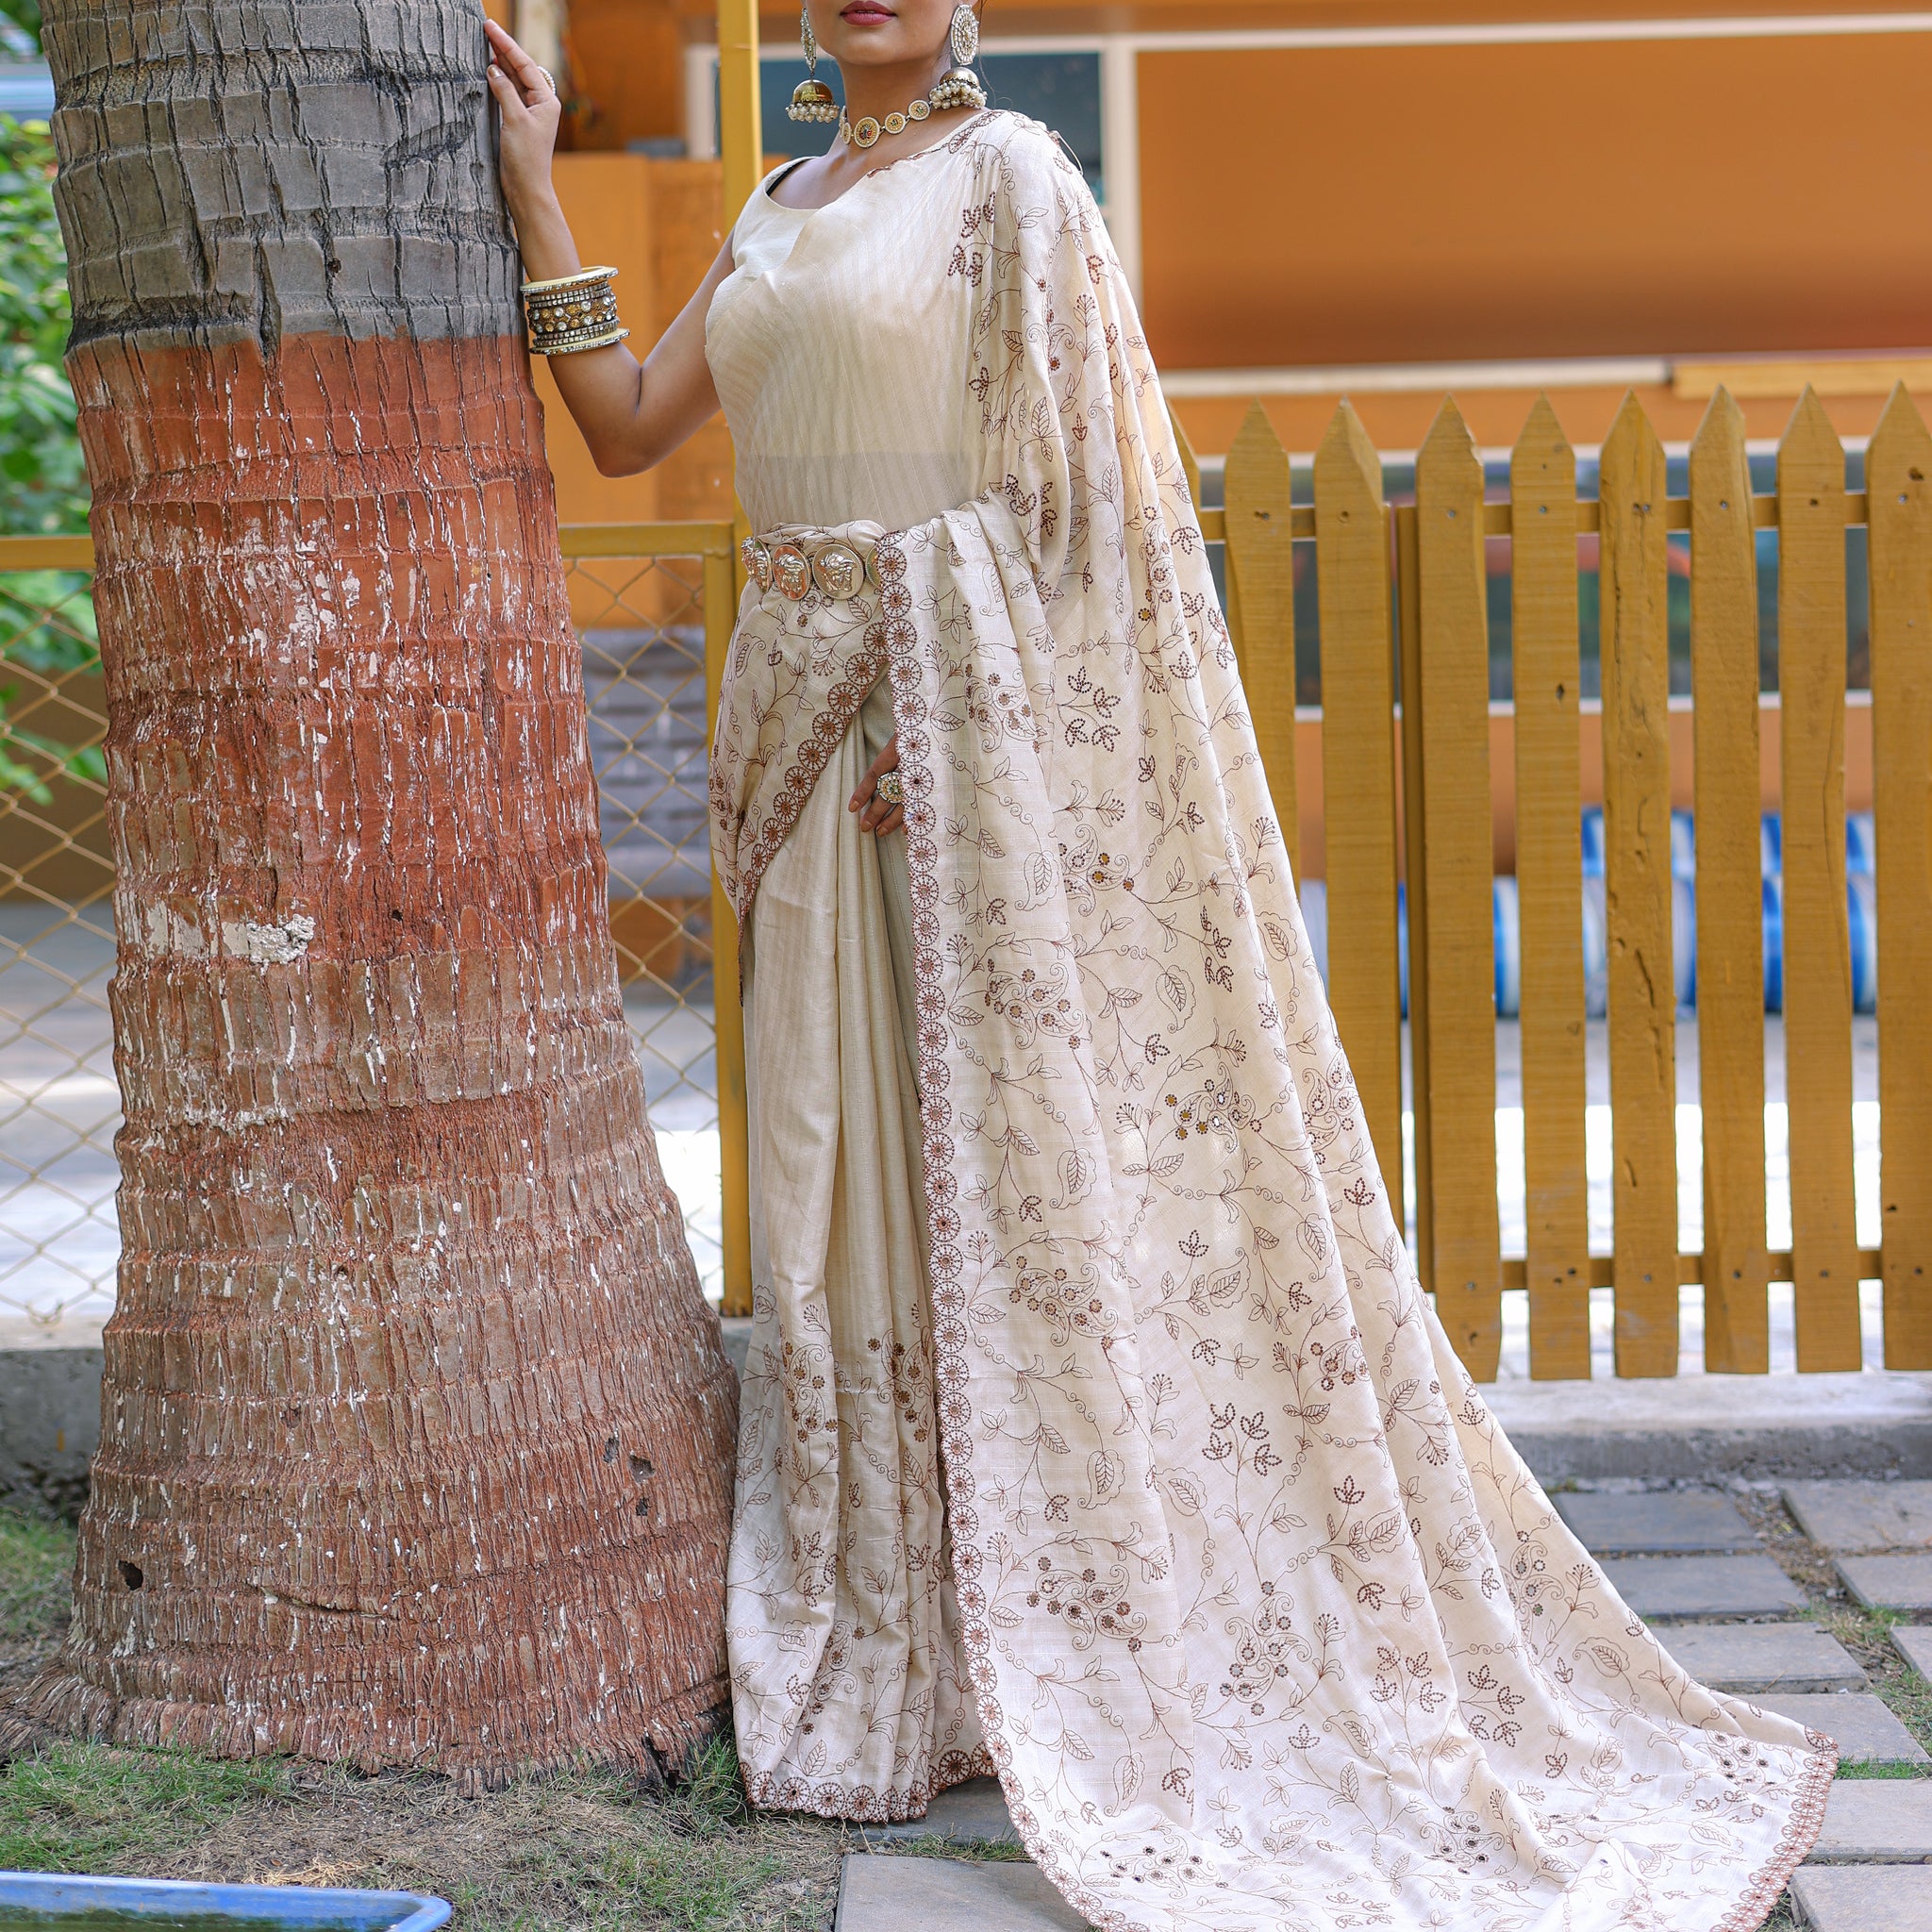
[
  {"x": 1633, "y": 590},
  {"x": 1408, "y": 632},
  {"x": 1260, "y": 585},
  {"x": 1461, "y": 1062},
  {"x": 1817, "y": 943},
  {"x": 1359, "y": 778},
  {"x": 1549, "y": 884},
  {"x": 1730, "y": 922},
  {"x": 1898, "y": 477}
]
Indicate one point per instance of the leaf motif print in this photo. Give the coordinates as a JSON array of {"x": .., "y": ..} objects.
[{"x": 1262, "y": 1620}]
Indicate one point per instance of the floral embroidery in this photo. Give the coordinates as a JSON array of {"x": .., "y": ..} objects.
[{"x": 1265, "y": 1622}]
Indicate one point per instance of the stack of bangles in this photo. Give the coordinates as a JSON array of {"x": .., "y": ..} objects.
[{"x": 573, "y": 312}]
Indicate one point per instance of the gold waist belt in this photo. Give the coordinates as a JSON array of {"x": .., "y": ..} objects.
[{"x": 795, "y": 563}]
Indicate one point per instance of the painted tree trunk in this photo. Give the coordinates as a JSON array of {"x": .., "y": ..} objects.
[{"x": 417, "y": 1432}]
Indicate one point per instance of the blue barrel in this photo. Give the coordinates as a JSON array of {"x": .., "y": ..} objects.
[
  {"x": 1682, "y": 846},
  {"x": 1773, "y": 891},
  {"x": 1684, "y": 941},
  {"x": 1507, "y": 923},
  {"x": 1861, "y": 896},
  {"x": 1596, "y": 949},
  {"x": 1861, "y": 845}
]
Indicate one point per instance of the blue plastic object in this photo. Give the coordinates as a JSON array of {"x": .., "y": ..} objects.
[{"x": 164, "y": 1899}]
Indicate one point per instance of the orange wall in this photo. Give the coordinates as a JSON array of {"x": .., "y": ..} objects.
[
  {"x": 656, "y": 223},
  {"x": 608, "y": 202},
  {"x": 626, "y": 58},
  {"x": 1348, "y": 205}
]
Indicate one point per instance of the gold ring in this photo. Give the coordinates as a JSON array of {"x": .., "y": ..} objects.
[
  {"x": 548, "y": 77},
  {"x": 890, "y": 789}
]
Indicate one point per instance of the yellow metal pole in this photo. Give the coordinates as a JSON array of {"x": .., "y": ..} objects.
[
  {"x": 740, "y": 148},
  {"x": 740, "y": 145},
  {"x": 734, "y": 1133}
]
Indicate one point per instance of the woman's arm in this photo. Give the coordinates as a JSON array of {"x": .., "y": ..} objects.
[{"x": 632, "y": 415}]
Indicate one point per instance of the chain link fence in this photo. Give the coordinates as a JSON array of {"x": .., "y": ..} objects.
[{"x": 642, "y": 619}]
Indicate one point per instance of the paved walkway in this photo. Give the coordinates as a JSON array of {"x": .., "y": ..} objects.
[{"x": 1740, "y": 1585}]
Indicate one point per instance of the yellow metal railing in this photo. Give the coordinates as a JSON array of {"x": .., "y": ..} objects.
[{"x": 653, "y": 604}]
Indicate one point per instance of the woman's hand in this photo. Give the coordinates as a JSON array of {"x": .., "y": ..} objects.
[
  {"x": 877, "y": 814},
  {"x": 632, "y": 418},
  {"x": 526, "y": 97}
]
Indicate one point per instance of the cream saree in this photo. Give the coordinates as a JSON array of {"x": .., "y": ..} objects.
[{"x": 1235, "y": 1581}]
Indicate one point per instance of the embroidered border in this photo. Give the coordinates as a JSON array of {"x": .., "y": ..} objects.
[
  {"x": 1800, "y": 1834},
  {"x": 831, "y": 1799},
  {"x": 828, "y": 727},
  {"x": 944, "y": 1263}
]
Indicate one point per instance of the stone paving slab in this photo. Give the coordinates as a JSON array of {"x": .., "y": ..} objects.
[
  {"x": 1659, "y": 1522},
  {"x": 880, "y": 1894},
  {"x": 1864, "y": 1898},
  {"x": 1751, "y": 1658},
  {"x": 1914, "y": 1643},
  {"x": 1876, "y": 1821},
  {"x": 1861, "y": 1726},
  {"x": 975, "y": 1812},
  {"x": 1704, "y": 1586},
  {"x": 1890, "y": 1583},
  {"x": 1863, "y": 1515}
]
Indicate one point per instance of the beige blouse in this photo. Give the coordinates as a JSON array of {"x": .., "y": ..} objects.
[{"x": 839, "y": 347}]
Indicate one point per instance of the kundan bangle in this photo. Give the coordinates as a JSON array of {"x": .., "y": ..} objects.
[{"x": 573, "y": 312}]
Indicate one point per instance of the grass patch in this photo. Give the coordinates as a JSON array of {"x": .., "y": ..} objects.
[
  {"x": 577, "y": 1852},
  {"x": 582, "y": 1851},
  {"x": 36, "y": 1561},
  {"x": 1867, "y": 1634},
  {"x": 81, "y": 1809}
]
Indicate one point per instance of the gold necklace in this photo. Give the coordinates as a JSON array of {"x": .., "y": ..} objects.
[{"x": 958, "y": 88}]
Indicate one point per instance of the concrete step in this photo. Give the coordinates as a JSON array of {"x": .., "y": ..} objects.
[
  {"x": 1747, "y": 1658},
  {"x": 972, "y": 1813},
  {"x": 1704, "y": 1586},
  {"x": 1864, "y": 1898},
  {"x": 1913, "y": 1641},
  {"x": 1655, "y": 1521},
  {"x": 1861, "y": 1726},
  {"x": 1844, "y": 1516},
  {"x": 1890, "y": 1583},
  {"x": 1876, "y": 1821},
  {"x": 1704, "y": 1428},
  {"x": 913, "y": 1894}
]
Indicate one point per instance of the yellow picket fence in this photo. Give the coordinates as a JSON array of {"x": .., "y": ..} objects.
[
  {"x": 1402, "y": 600},
  {"x": 1408, "y": 787}
]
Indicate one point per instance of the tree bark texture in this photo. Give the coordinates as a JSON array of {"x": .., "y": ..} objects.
[{"x": 417, "y": 1431}]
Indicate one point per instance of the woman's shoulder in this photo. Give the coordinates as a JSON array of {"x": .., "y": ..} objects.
[{"x": 1023, "y": 154}]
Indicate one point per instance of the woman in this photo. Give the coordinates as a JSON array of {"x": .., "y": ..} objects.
[{"x": 1064, "y": 1210}]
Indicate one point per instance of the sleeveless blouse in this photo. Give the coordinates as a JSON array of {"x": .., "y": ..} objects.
[{"x": 839, "y": 347}]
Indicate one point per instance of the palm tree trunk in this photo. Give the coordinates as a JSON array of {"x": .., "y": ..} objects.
[{"x": 416, "y": 1431}]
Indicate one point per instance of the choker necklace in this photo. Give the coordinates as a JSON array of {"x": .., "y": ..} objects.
[{"x": 958, "y": 88}]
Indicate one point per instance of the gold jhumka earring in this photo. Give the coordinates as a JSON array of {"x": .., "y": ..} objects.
[
  {"x": 811, "y": 99},
  {"x": 959, "y": 87}
]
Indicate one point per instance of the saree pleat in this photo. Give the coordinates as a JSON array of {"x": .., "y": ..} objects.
[{"x": 840, "y": 1533}]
